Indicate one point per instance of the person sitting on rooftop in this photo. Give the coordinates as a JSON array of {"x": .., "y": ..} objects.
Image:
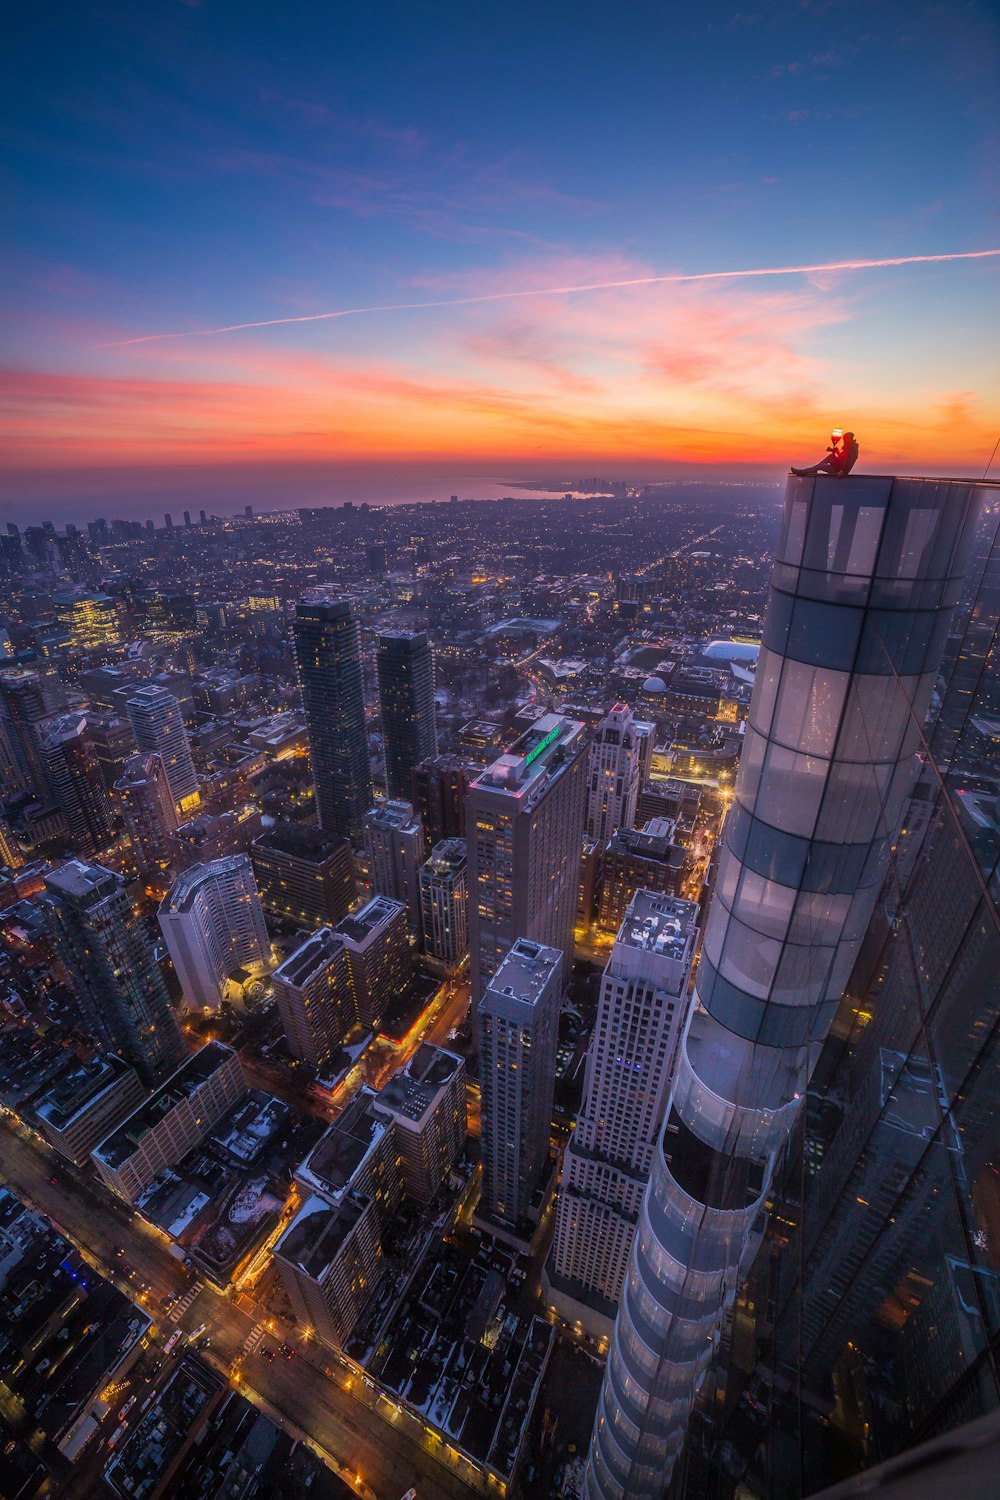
[{"x": 841, "y": 456}]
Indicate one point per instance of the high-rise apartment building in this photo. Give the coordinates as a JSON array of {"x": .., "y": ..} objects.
[
  {"x": 304, "y": 875},
  {"x": 147, "y": 804},
  {"x": 213, "y": 925},
  {"x": 867, "y": 575},
  {"x": 24, "y": 711},
  {"x": 440, "y": 785},
  {"x": 613, "y": 774},
  {"x": 394, "y": 850},
  {"x": 113, "y": 742},
  {"x": 634, "y": 857},
  {"x": 405, "y": 666},
  {"x": 328, "y": 657},
  {"x": 109, "y": 961},
  {"x": 642, "y": 1008},
  {"x": 76, "y": 785},
  {"x": 158, "y": 726},
  {"x": 444, "y": 903},
  {"x": 524, "y": 820},
  {"x": 425, "y": 1104},
  {"x": 342, "y": 979},
  {"x": 518, "y": 1018}
]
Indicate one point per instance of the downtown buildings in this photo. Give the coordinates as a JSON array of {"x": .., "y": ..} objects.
[
  {"x": 119, "y": 989},
  {"x": 613, "y": 774},
  {"x": 158, "y": 726},
  {"x": 405, "y": 666},
  {"x": 328, "y": 657},
  {"x": 213, "y": 925},
  {"x": 866, "y": 579},
  {"x": 524, "y": 824}
]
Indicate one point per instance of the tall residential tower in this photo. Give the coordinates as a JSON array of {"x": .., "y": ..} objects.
[
  {"x": 406, "y": 699},
  {"x": 328, "y": 657}
]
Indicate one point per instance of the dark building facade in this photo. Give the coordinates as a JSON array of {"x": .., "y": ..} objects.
[
  {"x": 328, "y": 657},
  {"x": 440, "y": 785},
  {"x": 109, "y": 960},
  {"x": 406, "y": 700},
  {"x": 304, "y": 875}
]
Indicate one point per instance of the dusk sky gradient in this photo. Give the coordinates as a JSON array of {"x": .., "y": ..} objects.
[{"x": 177, "y": 167}]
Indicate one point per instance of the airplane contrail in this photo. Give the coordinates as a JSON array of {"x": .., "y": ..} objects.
[{"x": 557, "y": 291}]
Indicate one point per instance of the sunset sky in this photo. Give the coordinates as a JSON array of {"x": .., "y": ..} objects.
[{"x": 173, "y": 168}]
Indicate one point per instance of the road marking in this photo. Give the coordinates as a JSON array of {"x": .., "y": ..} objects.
[{"x": 180, "y": 1308}]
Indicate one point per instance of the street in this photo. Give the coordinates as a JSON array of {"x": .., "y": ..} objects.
[{"x": 333, "y": 1411}]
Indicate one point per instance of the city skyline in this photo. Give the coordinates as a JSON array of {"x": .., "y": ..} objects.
[{"x": 175, "y": 174}]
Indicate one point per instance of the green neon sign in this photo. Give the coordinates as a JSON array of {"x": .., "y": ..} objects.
[{"x": 553, "y": 734}]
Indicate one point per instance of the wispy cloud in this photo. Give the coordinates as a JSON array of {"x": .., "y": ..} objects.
[{"x": 672, "y": 279}]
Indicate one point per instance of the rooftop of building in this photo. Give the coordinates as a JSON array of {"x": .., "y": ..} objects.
[
  {"x": 315, "y": 1236},
  {"x": 77, "y": 1090},
  {"x": 525, "y": 971},
  {"x": 77, "y": 881},
  {"x": 395, "y": 814},
  {"x": 332, "y": 1163},
  {"x": 359, "y": 926},
  {"x": 447, "y": 857},
  {"x": 305, "y": 841},
  {"x": 538, "y": 750},
  {"x": 187, "y": 885},
  {"x": 314, "y": 954},
  {"x": 655, "y": 923},
  {"x": 185, "y": 1081},
  {"x": 654, "y": 841},
  {"x": 412, "y": 1092}
]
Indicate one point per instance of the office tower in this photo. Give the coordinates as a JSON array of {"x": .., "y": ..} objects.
[
  {"x": 171, "y": 1121},
  {"x": 394, "y": 850},
  {"x": 440, "y": 785},
  {"x": 867, "y": 574},
  {"x": 85, "y": 1105},
  {"x": 168, "y": 521},
  {"x": 328, "y": 656},
  {"x": 425, "y": 1104},
  {"x": 524, "y": 817},
  {"x": 187, "y": 518},
  {"x": 143, "y": 793},
  {"x": 518, "y": 1018},
  {"x": 91, "y": 621},
  {"x": 158, "y": 726},
  {"x": 75, "y": 784},
  {"x": 109, "y": 961},
  {"x": 647, "y": 857},
  {"x": 881, "y": 1259},
  {"x": 248, "y": 512},
  {"x": 304, "y": 875},
  {"x": 342, "y": 979},
  {"x": 444, "y": 903},
  {"x": 24, "y": 713},
  {"x": 378, "y": 558},
  {"x": 213, "y": 926},
  {"x": 203, "y": 518},
  {"x": 406, "y": 702},
  {"x": 113, "y": 742},
  {"x": 613, "y": 774},
  {"x": 640, "y": 1014}
]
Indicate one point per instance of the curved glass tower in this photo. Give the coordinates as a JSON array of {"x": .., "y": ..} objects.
[{"x": 867, "y": 574}]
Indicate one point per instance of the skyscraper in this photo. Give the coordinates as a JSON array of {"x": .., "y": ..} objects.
[
  {"x": 147, "y": 805},
  {"x": 640, "y": 1014},
  {"x": 304, "y": 875},
  {"x": 519, "y": 1035},
  {"x": 394, "y": 850},
  {"x": 213, "y": 925},
  {"x": 328, "y": 656},
  {"x": 109, "y": 960},
  {"x": 444, "y": 903},
  {"x": 440, "y": 787},
  {"x": 158, "y": 726},
  {"x": 524, "y": 819},
  {"x": 406, "y": 702},
  {"x": 76, "y": 785},
  {"x": 24, "y": 713},
  {"x": 613, "y": 774},
  {"x": 867, "y": 574}
]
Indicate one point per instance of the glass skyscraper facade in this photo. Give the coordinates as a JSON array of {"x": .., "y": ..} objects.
[
  {"x": 405, "y": 665},
  {"x": 328, "y": 657},
  {"x": 867, "y": 576},
  {"x": 870, "y": 1321}
]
